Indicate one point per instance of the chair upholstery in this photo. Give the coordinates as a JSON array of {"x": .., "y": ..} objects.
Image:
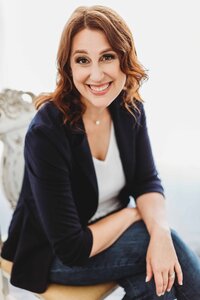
[{"x": 16, "y": 111}]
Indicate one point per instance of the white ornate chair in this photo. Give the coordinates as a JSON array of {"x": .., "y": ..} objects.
[{"x": 16, "y": 111}]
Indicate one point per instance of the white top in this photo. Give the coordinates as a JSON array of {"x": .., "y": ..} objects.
[{"x": 110, "y": 179}]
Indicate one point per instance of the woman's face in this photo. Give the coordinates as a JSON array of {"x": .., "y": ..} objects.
[{"x": 95, "y": 69}]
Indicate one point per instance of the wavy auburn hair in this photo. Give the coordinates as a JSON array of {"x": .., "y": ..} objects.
[{"x": 66, "y": 97}]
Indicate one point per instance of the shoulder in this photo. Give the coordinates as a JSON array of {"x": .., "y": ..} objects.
[
  {"x": 47, "y": 128},
  {"x": 48, "y": 116},
  {"x": 135, "y": 115},
  {"x": 136, "y": 109}
]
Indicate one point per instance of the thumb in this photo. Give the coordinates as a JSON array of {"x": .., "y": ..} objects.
[{"x": 149, "y": 272}]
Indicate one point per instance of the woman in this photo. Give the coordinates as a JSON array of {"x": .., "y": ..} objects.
[{"x": 86, "y": 152}]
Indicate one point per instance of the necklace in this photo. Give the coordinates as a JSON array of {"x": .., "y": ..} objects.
[{"x": 97, "y": 122}]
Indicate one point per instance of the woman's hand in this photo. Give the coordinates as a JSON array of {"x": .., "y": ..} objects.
[{"x": 162, "y": 261}]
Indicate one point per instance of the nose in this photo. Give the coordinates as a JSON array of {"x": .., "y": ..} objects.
[{"x": 96, "y": 73}]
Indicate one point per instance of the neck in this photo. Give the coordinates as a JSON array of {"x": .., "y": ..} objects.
[{"x": 96, "y": 116}]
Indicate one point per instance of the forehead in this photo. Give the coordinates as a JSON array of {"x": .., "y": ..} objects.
[{"x": 90, "y": 41}]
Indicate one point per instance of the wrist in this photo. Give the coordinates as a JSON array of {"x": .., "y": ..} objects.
[
  {"x": 132, "y": 214},
  {"x": 160, "y": 230}
]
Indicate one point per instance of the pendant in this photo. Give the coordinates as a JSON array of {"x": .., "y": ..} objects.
[{"x": 97, "y": 122}]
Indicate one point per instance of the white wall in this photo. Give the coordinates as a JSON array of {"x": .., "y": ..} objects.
[{"x": 167, "y": 37}]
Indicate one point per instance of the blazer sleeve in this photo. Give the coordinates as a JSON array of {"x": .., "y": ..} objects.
[
  {"x": 49, "y": 175},
  {"x": 146, "y": 175}
]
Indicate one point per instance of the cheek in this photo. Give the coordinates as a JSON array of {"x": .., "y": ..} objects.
[
  {"x": 79, "y": 75},
  {"x": 116, "y": 72},
  {"x": 123, "y": 76}
]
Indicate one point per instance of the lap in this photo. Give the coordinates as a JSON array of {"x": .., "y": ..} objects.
[{"x": 124, "y": 258}]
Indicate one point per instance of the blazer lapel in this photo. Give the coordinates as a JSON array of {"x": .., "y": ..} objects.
[
  {"x": 82, "y": 155},
  {"x": 124, "y": 124}
]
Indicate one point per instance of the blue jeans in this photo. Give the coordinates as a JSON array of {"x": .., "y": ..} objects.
[{"x": 125, "y": 263}]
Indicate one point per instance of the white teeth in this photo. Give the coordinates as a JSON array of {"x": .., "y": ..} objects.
[{"x": 99, "y": 89}]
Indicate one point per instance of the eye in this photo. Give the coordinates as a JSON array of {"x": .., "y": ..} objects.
[
  {"x": 108, "y": 57},
  {"x": 82, "y": 60}
]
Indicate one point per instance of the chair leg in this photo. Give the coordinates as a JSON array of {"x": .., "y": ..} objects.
[
  {"x": 109, "y": 292},
  {"x": 1, "y": 286},
  {"x": 4, "y": 286}
]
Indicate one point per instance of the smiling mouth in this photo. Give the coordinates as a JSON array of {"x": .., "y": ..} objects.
[{"x": 99, "y": 88}]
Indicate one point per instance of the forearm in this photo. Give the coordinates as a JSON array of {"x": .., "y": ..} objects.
[
  {"x": 161, "y": 258},
  {"x": 107, "y": 230},
  {"x": 152, "y": 207}
]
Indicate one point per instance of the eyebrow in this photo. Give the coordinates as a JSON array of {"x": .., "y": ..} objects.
[{"x": 85, "y": 52}]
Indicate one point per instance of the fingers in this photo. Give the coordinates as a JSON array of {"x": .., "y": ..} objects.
[
  {"x": 165, "y": 280},
  {"x": 179, "y": 273},
  {"x": 171, "y": 276},
  {"x": 161, "y": 280},
  {"x": 165, "y": 276},
  {"x": 173, "y": 273},
  {"x": 158, "y": 277},
  {"x": 149, "y": 271}
]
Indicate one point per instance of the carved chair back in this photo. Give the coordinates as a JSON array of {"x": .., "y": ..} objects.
[{"x": 16, "y": 111}]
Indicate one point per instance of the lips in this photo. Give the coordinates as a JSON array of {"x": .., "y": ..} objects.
[{"x": 99, "y": 89}]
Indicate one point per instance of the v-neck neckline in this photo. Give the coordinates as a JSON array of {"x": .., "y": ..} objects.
[{"x": 109, "y": 147}]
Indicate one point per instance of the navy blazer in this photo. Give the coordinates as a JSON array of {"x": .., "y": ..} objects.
[{"x": 60, "y": 193}]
